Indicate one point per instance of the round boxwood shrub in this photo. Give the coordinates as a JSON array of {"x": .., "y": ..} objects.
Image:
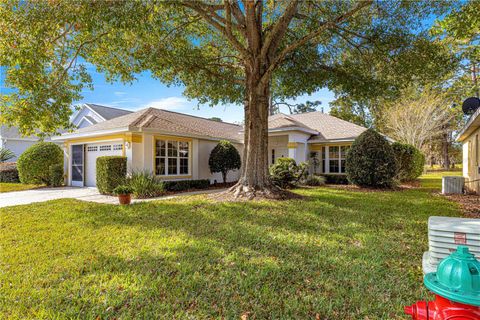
[
  {"x": 223, "y": 158},
  {"x": 371, "y": 161},
  {"x": 410, "y": 161},
  {"x": 56, "y": 175},
  {"x": 34, "y": 163}
]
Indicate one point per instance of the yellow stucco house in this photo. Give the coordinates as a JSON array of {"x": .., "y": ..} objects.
[
  {"x": 470, "y": 138},
  {"x": 177, "y": 146}
]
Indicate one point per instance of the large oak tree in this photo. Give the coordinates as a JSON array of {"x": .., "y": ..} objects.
[{"x": 229, "y": 51}]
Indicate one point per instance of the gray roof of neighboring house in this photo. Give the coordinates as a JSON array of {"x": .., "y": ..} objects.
[
  {"x": 169, "y": 122},
  {"x": 92, "y": 121},
  {"x": 107, "y": 113},
  {"x": 327, "y": 126}
]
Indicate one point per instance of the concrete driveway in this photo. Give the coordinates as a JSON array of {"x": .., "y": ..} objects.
[
  {"x": 45, "y": 194},
  {"x": 15, "y": 198}
]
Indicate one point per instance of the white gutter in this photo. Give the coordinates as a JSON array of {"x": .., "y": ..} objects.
[
  {"x": 467, "y": 126},
  {"x": 330, "y": 141}
]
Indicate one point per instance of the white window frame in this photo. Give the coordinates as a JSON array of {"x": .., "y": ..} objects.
[
  {"x": 341, "y": 156},
  {"x": 178, "y": 157}
]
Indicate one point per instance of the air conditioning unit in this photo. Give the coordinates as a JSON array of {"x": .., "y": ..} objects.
[
  {"x": 452, "y": 184},
  {"x": 445, "y": 234}
]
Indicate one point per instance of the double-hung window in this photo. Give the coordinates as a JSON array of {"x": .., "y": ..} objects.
[
  {"x": 337, "y": 156},
  {"x": 172, "y": 157},
  {"x": 334, "y": 159}
]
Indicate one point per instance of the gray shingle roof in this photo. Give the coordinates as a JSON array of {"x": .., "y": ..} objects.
[
  {"x": 108, "y": 113},
  {"x": 280, "y": 121},
  {"x": 169, "y": 122},
  {"x": 328, "y": 127}
]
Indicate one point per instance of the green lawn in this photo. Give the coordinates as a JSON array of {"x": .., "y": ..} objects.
[
  {"x": 338, "y": 254},
  {"x": 433, "y": 180},
  {"x": 9, "y": 187}
]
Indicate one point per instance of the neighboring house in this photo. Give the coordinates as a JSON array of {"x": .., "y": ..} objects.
[
  {"x": 470, "y": 138},
  {"x": 11, "y": 139},
  {"x": 177, "y": 146},
  {"x": 90, "y": 114},
  {"x": 87, "y": 115}
]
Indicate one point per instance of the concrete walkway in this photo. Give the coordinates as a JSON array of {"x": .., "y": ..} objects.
[{"x": 15, "y": 198}]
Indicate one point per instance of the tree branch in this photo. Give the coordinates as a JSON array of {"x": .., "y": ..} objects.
[
  {"x": 198, "y": 7},
  {"x": 276, "y": 35},
  {"x": 312, "y": 35}
]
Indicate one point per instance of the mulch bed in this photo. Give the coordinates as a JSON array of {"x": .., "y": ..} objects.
[
  {"x": 229, "y": 196},
  {"x": 212, "y": 187},
  {"x": 469, "y": 203}
]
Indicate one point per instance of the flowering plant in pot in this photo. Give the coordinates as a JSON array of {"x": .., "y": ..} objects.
[{"x": 124, "y": 194}]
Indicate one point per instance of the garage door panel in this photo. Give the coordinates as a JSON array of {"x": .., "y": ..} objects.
[{"x": 95, "y": 150}]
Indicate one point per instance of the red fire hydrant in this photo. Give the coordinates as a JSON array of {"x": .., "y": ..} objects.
[{"x": 457, "y": 287}]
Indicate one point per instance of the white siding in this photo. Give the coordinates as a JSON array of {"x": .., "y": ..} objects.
[{"x": 17, "y": 146}]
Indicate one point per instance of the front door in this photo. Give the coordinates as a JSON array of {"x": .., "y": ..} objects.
[{"x": 78, "y": 168}]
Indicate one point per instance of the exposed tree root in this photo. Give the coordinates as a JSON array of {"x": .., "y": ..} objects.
[{"x": 241, "y": 192}]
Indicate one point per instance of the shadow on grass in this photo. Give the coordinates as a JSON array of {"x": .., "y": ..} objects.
[{"x": 338, "y": 254}]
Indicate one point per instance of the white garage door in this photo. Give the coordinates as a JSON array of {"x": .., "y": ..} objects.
[{"x": 94, "y": 150}]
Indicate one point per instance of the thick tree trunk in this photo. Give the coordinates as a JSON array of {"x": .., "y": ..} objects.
[
  {"x": 254, "y": 180},
  {"x": 224, "y": 177}
]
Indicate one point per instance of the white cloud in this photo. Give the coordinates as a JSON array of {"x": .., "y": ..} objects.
[
  {"x": 119, "y": 93},
  {"x": 170, "y": 103}
]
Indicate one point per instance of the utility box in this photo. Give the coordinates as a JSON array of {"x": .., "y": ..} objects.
[
  {"x": 452, "y": 184},
  {"x": 445, "y": 234}
]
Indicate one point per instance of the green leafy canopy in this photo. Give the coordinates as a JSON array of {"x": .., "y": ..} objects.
[{"x": 360, "y": 48}]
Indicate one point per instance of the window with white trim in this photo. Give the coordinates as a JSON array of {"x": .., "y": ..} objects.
[
  {"x": 118, "y": 147},
  {"x": 334, "y": 156},
  {"x": 172, "y": 157},
  {"x": 92, "y": 148},
  {"x": 105, "y": 148},
  {"x": 337, "y": 156}
]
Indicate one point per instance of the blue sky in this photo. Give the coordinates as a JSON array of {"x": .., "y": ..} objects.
[{"x": 148, "y": 92}]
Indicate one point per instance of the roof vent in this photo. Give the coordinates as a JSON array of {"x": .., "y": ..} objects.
[{"x": 470, "y": 105}]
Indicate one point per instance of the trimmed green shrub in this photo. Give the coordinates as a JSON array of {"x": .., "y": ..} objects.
[
  {"x": 56, "y": 175},
  {"x": 371, "y": 161},
  {"x": 8, "y": 172},
  {"x": 182, "y": 185},
  {"x": 285, "y": 173},
  {"x": 123, "y": 189},
  {"x": 145, "y": 185},
  {"x": 111, "y": 172},
  {"x": 410, "y": 161},
  {"x": 335, "y": 178},
  {"x": 314, "y": 181},
  {"x": 34, "y": 163},
  {"x": 223, "y": 158}
]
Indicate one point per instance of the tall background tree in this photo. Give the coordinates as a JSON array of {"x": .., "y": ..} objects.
[{"x": 228, "y": 51}]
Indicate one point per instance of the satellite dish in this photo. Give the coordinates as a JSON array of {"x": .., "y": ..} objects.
[{"x": 470, "y": 105}]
